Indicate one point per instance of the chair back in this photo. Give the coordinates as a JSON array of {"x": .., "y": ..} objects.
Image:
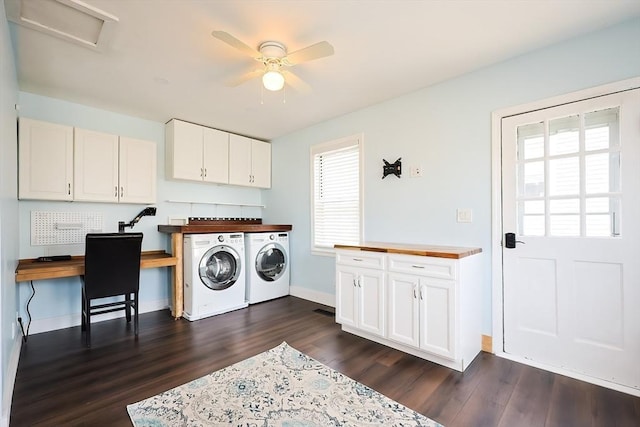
[{"x": 112, "y": 264}]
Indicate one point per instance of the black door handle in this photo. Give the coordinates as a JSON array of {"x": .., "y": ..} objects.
[{"x": 510, "y": 240}]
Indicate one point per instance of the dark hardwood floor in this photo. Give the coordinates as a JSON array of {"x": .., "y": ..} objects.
[{"x": 61, "y": 383}]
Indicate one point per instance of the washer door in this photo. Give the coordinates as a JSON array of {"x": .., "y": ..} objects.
[
  {"x": 271, "y": 262},
  {"x": 220, "y": 267}
]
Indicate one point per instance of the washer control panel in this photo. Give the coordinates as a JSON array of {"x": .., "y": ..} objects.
[{"x": 236, "y": 238}]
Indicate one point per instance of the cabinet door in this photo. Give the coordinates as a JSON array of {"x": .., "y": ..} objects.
[
  {"x": 371, "y": 304},
  {"x": 437, "y": 321},
  {"x": 403, "y": 314},
  {"x": 215, "y": 150},
  {"x": 184, "y": 150},
  {"x": 45, "y": 156},
  {"x": 346, "y": 295},
  {"x": 239, "y": 160},
  {"x": 261, "y": 164},
  {"x": 95, "y": 166},
  {"x": 138, "y": 177}
]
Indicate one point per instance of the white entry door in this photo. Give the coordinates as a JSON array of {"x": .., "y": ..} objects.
[{"x": 571, "y": 198}]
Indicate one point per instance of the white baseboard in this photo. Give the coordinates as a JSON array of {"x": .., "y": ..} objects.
[
  {"x": 10, "y": 379},
  {"x": 69, "y": 320},
  {"x": 311, "y": 295},
  {"x": 571, "y": 374}
]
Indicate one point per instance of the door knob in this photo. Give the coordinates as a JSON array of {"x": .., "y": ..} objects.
[{"x": 510, "y": 240}]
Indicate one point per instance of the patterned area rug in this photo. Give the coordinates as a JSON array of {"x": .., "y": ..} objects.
[{"x": 280, "y": 387}]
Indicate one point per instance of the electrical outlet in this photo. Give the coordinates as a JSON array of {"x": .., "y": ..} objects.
[
  {"x": 416, "y": 171},
  {"x": 464, "y": 215}
]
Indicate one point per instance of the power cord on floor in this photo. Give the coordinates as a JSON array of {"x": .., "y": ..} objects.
[{"x": 25, "y": 335}]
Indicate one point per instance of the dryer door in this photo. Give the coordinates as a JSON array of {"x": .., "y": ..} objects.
[
  {"x": 220, "y": 267},
  {"x": 271, "y": 262}
]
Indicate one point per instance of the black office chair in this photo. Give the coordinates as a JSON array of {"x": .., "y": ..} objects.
[{"x": 112, "y": 268}]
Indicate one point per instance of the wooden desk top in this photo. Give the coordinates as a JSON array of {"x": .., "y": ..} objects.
[
  {"x": 30, "y": 269},
  {"x": 454, "y": 252}
]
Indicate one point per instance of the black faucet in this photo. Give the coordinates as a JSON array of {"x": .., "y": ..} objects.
[{"x": 149, "y": 211}]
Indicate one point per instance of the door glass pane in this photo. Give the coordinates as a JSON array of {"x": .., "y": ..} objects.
[
  {"x": 532, "y": 225},
  {"x": 564, "y": 225},
  {"x": 565, "y": 206},
  {"x": 599, "y": 178},
  {"x": 598, "y": 225},
  {"x": 601, "y": 129},
  {"x": 531, "y": 141},
  {"x": 564, "y": 176},
  {"x": 597, "y": 205},
  {"x": 533, "y": 184},
  {"x": 534, "y": 207},
  {"x": 564, "y": 135}
]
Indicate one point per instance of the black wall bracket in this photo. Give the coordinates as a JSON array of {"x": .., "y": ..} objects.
[{"x": 394, "y": 168}]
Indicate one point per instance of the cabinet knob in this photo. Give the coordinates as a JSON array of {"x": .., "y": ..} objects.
[
  {"x": 121, "y": 191},
  {"x": 115, "y": 194}
]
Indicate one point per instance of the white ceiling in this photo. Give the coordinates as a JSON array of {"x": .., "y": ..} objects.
[{"x": 162, "y": 62}]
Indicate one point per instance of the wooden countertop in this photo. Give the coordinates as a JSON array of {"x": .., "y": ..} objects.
[
  {"x": 30, "y": 269},
  {"x": 222, "y": 228},
  {"x": 454, "y": 252}
]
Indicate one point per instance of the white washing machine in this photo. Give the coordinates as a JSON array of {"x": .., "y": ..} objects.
[
  {"x": 267, "y": 266},
  {"x": 214, "y": 276}
]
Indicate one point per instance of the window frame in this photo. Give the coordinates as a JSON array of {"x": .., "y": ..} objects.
[{"x": 356, "y": 139}]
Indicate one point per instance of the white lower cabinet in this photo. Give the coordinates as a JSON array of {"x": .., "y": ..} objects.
[
  {"x": 360, "y": 291},
  {"x": 423, "y": 305},
  {"x": 361, "y": 299},
  {"x": 421, "y": 313}
]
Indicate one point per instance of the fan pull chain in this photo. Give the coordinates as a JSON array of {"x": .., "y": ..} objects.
[
  {"x": 284, "y": 94},
  {"x": 261, "y": 94}
]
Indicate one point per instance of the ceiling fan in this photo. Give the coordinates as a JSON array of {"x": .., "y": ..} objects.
[{"x": 274, "y": 58}]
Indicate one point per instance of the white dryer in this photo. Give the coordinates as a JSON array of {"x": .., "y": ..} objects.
[
  {"x": 214, "y": 276},
  {"x": 267, "y": 266}
]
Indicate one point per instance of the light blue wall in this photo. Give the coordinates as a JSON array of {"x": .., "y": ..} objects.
[
  {"x": 57, "y": 302},
  {"x": 8, "y": 214},
  {"x": 446, "y": 129}
]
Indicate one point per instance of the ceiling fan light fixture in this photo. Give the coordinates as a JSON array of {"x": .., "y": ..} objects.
[{"x": 273, "y": 80}]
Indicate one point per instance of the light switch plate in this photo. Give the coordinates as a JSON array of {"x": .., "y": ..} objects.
[{"x": 464, "y": 215}]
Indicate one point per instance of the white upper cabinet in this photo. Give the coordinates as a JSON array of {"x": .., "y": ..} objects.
[
  {"x": 62, "y": 163},
  {"x": 215, "y": 155},
  {"x": 45, "y": 163},
  {"x": 95, "y": 166},
  {"x": 249, "y": 162},
  {"x": 137, "y": 174},
  {"x": 108, "y": 168},
  {"x": 196, "y": 153}
]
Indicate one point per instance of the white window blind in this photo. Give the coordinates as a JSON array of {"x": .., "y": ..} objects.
[{"x": 336, "y": 193}]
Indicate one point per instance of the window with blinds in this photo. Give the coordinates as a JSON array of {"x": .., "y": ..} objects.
[{"x": 336, "y": 193}]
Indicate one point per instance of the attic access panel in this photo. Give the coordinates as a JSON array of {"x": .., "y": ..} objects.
[{"x": 69, "y": 20}]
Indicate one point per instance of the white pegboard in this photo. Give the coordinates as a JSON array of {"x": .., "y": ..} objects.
[{"x": 63, "y": 228}]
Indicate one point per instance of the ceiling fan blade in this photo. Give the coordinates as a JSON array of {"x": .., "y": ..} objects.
[
  {"x": 309, "y": 53},
  {"x": 296, "y": 82},
  {"x": 234, "y": 42},
  {"x": 245, "y": 77}
]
